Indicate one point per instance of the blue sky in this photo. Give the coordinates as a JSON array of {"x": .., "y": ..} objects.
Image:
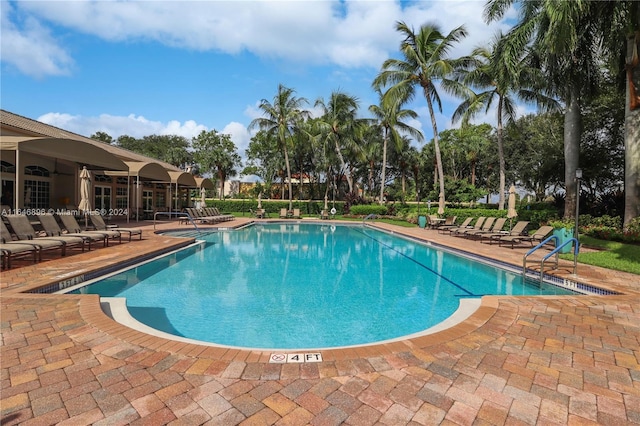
[{"x": 180, "y": 67}]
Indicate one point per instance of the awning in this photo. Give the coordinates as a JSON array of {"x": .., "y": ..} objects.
[
  {"x": 205, "y": 183},
  {"x": 79, "y": 152},
  {"x": 147, "y": 170},
  {"x": 183, "y": 178}
]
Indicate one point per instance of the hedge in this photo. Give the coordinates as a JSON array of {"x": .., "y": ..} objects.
[{"x": 273, "y": 207}]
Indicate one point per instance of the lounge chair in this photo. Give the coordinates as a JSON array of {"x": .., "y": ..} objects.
[
  {"x": 220, "y": 216},
  {"x": 496, "y": 228},
  {"x": 25, "y": 233},
  {"x": 486, "y": 226},
  {"x": 99, "y": 224},
  {"x": 284, "y": 213},
  {"x": 324, "y": 214},
  {"x": 258, "y": 213},
  {"x": 52, "y": 229},
  {"x": 537, "y": 236},
  {"x": 200, "y": 215},
  {"x": 70, "y": 223},
  {"x": 13, "y": 249},
  {"x": 296, "y": 214},
  {"x": 477, "y": 225},
  {"x": 518, "y": 229},
  {"x": 448, "y": 228}
]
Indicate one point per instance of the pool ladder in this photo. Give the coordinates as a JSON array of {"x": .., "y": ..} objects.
[
  {"x": 370, "y": 216},
  {"x": 554, "y": 253},
  {"x": 185, "y": 215}
]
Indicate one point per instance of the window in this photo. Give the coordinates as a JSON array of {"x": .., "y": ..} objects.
[
  {"x": 36, "y": 171},
  {"x": 6, "y": 167},
  {"x": 36, "y": 194}
]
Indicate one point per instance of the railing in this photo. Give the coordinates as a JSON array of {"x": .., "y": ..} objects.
[
  {"x": 177, "y": 214},
  {"x": 370, "y": 216},
  {"x": 554, "y": 252}
]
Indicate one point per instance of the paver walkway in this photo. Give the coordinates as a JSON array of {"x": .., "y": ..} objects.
[{"x": 517, "y": 360}]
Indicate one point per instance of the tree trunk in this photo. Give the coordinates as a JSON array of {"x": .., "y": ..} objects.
[
  {"x": 632, "y": 133},
  {"x": 286, "y": 160},
  {"x": 436, "y": 145},
  {"x": 344, "y": 166},
  {"x": 572, "y": 134},
  {"x": 384, "y": 165},
  {"x": 501, "y": 158}
]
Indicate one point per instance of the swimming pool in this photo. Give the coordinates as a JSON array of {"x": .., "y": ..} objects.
[{"x": 288, "y": 286}]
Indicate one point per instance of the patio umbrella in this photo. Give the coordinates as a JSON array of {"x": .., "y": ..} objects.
[
  {"x": 511, "y": 205},
  {"x": 326, "y": 206},
  {"x": 203, "y": 197},
  {"x": 441, "y": 204},
  {"x": 85, "y": 191},
  {"x": 260, "y": 200}
]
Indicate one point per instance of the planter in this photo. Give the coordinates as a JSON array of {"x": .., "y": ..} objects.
[
  {"x": 564, "y": 235},
  {"x": 422, "y": 221}
]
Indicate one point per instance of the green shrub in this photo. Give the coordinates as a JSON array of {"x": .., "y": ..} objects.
[{"x": 367, "y": 209}]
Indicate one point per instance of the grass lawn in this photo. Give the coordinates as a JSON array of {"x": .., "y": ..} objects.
[{"x": 610, "y": 255}]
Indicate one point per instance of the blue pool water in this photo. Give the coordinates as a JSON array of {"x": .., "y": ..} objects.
[{"x": 287, "y": 286}]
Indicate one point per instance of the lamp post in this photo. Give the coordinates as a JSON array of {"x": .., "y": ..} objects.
[{"x": 578, "y": 177}]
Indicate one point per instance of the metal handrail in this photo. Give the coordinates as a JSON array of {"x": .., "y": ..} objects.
[
  {"x": 524, "y": 259},
  {"x": 555, "y": 251},
  {"x": 370, "y": 216},
  {"x": 181, "y": 214},
  {"x": 576, "y": 250}
]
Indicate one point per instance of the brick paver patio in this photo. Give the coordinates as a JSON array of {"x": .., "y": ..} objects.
[{"x": 516, "y": 360}]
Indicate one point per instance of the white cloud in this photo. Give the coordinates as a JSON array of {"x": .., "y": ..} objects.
[
  {"x": 30, "y": 48},
  {"x": 347, "y": 34},
  {"x": 115, "y": 126},
  {"x": 239, "y": 135}
]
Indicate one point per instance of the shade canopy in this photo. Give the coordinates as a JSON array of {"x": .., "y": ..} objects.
[
  {"x": 183, "y": 178},
  {"x": 147, "y": 170},
  {"x": 205, "y": 183},
  {"x": 64, "y": 149}
]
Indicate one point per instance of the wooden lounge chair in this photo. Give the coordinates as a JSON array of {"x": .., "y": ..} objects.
[
  {"x": 25, "y": 233},
  {"x": 70, "y": 223},
  {"x": 537, "y": 236},
  {"x": 486, "y": 226},
  {"x": 52, "y": 229},
  {"x": 518, "y": 229},
  {"x": 99, "y": 224},
  {"x": 284, "y": 213},
  {"x": 448, "y": 228},
  {"x": 296, "y": 214}
]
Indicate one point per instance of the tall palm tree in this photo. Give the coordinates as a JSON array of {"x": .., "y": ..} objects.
[
  {"x": 620, "y": 28},
  {"x": 280, "y": 118},
  {"x": 424, "y": 64},
  {"x": 389, "y": 116},
  {"x": 340, "y": 127},
  {"x": 503, "y": 75},
  {"x": 565, "y": 36}
]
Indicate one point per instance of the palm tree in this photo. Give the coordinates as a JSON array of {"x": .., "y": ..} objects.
[
  {"x": 389, "y": 116},
  {"x": 280, "y": 118},
  {"x": 425, "y": 63},
  {"x": 503, "y": 75},
  {"x": 340, "y": 127},
  {"x": 565, "y": 36}
]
